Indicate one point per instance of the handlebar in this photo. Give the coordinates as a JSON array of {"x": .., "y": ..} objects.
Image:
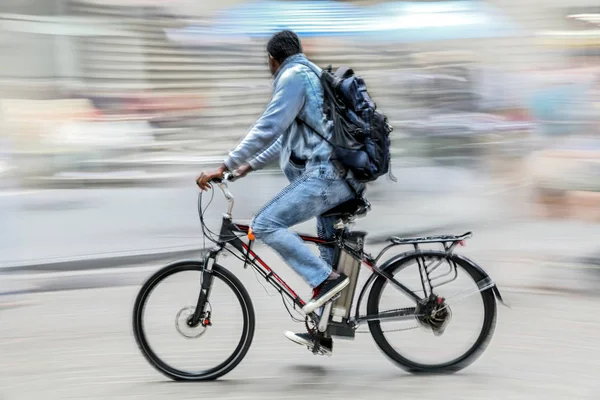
[
  {"x": 222, "y": 183},
  {"x": 227, "y": 177}
]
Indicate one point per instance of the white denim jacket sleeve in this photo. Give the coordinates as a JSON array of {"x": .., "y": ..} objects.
[{"x": 271, "y": 154}]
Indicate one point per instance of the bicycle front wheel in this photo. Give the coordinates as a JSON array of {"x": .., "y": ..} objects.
[
  {"x": 452, "y": 325},
  {"x": 162, "y": 308}
]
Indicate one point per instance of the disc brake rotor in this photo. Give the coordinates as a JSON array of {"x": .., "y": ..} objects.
[{"x": 182, "y": 326}]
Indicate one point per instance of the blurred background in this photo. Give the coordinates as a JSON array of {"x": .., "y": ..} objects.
[{"x": 110, "y": 109}]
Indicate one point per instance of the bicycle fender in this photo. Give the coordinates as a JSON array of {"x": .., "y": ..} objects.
[{"x": 460, "y": 258}]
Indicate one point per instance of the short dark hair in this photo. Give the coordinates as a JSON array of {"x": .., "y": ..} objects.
[{"x": 284, "y": 44}]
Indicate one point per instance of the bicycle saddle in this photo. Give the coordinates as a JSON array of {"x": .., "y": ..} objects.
[{"x": 354, "y": 207}]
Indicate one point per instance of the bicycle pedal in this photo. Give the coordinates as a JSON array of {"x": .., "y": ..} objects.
[
  {"x": 321, "y": 351},
  {"x": 318, "y": 348}
]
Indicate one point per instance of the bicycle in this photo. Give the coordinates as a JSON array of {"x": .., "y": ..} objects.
[{"x": 430, "y": 311}]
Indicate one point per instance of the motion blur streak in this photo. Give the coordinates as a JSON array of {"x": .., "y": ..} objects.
[{"x": 110, "y": 109}]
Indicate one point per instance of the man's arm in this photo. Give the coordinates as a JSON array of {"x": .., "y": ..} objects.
[
  {"x": 266, "y": 157},
  {"x": 286, "y": 103}
]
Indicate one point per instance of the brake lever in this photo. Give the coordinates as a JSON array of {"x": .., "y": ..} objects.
[
  {"x": 230, "y": 176},
  {"x": 227, "y": 177}
]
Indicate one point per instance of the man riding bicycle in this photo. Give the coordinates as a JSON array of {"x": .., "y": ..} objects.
[{"x": 292, "y": 127}]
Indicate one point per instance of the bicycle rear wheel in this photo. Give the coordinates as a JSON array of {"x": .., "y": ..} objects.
[
  {"x": 214, "y": 349},
  {"x": 444, "y": 319}
]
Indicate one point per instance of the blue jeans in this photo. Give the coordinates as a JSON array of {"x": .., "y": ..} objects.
[{"x": 310, "y": 193}]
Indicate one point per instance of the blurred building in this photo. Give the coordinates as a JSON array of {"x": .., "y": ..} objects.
[
  {"x": 40, "y": 46},
  {"x": 121, "y": 73}
]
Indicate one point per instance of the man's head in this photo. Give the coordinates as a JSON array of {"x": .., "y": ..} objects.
[{"x": 281, "y": 46}]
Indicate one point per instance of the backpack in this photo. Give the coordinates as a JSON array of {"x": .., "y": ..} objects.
[{"x": 360, "y": 140}]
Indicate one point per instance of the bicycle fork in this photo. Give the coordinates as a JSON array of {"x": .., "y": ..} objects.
[{"x": 200, "y": 314}]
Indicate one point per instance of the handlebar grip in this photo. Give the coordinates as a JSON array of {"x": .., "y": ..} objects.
[{"x": 227, "y": 177}]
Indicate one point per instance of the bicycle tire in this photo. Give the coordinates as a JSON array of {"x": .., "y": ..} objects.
[
  {"x": 233, "y": 360},
  {"x": 459, "y": 363}
]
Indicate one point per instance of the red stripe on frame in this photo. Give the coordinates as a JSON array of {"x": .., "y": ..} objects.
[
  {"x": 306, "y": 238},
  {"x": 312, "y": 239},
  {"x": 243, "y": 228},
  {"x": 368, "y": 263},
  {"x": 277, "y": 278}
]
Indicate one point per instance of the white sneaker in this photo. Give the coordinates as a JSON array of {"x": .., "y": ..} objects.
[
  {"x": 330, "y": 288},
  {"x": 305, "y": 339}
]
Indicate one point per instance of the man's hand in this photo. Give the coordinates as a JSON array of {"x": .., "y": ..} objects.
[
  {"x": 205, "y": 177},
  {"x": 243, "y": 170}
]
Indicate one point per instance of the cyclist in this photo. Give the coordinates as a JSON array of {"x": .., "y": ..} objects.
[{"x": 285, "y": 131}]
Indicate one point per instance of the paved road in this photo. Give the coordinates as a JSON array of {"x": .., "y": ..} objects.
[{"x": 78, "y": 345}]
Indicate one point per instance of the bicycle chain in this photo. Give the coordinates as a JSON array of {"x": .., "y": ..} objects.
[
  {"x": 399, "y": 329},
  {"x": 312, "y": 331},
  {"x": 396, "y": 310},
  {"x": 394, "y": 330}
]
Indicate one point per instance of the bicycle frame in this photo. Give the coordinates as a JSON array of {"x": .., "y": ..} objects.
[
  {"x": 230, "y": 235},
  {"x": 432, "y": 311}
]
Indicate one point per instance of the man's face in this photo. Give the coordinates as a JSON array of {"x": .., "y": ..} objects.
[{"x": 273, "y": 65}]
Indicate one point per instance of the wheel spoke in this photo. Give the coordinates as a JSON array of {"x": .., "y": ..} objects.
[{"x": 482, "y": 285}]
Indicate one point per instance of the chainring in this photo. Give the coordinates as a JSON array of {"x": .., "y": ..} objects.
[{"x": 311, "y": 326}]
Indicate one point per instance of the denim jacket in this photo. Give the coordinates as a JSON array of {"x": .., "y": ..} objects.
[{"x": 286, "y": 126}]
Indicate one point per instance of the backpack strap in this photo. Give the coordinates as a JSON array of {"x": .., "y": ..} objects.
[{"x": 314, "y": 70}]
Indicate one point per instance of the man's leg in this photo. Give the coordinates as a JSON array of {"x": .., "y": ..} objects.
[
  {"x": 309, "y": 196},
  {"x": 326, "y": 231}
]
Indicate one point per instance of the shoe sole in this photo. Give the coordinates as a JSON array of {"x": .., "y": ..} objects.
[
  {"x": 298, "y": 340},
  {"x": 303, "y": 342},
  {"x": 312, "y": 306}
]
